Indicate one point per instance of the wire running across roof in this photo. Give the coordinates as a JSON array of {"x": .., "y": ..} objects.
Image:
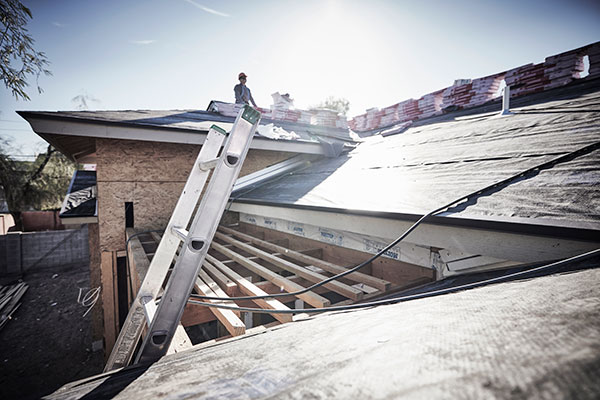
[{"x": 533, "y": 338}]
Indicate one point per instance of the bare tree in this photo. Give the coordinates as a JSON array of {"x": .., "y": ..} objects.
[
  {"x": 340, "y": 105},
  {"x": 18, "y": 59}
]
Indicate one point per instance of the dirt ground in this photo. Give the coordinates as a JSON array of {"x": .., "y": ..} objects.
[{"x": 48, "y": 343}]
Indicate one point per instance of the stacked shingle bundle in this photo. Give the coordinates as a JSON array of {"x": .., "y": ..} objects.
[
  {"x": 390, "y": 115},
  {"x": 305, "y": 117},
  {"x": 526, "y": 79},
  {"x": 358, "y": 123},
  {"x": 408, "y": 110},
  {"x": 485, "y": 89},
  {"x": 373, "y": 118},
  {"x": 458, "y": 96},
  {"x": 593, "y": 53},
  {"x": 228, "y": 109},
  {"x": 324, "y": 118},
  {"x": 430, "y": 104},
  {"x": 562, "y": 69}
]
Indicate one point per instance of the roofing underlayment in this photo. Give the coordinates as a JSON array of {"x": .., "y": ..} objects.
[
  {"x": 535, "y": 338},
  {"x": 441, "y": 159},
  {"x": 81, "y": 196},
  {"x": 73, "y": 131}
]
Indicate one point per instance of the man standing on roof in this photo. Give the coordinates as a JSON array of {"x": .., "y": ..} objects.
[{"x": 242, "y": 92}]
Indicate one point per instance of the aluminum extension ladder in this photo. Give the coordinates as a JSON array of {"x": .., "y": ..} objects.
[{"x": 163, "y": 321}]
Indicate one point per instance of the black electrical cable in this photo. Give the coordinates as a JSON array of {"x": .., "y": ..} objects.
[
  {"x": 439, "y": 292},
  {"x": 548, "y": 164}
]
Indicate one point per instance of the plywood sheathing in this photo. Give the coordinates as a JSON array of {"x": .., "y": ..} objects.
[{"x": 151, "y": 175}]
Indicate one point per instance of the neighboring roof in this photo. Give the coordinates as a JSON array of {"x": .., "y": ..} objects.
[
  {"x": 71, "y": 131},
  {"x": 80, "y": 200},
  {"x": 441, "y": 159},
  {"x": 534, "y": 338},
  {"x": 3, "y": 205}
]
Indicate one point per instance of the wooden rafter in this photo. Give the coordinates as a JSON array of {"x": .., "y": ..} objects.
[{"x": 358, "y": 277}]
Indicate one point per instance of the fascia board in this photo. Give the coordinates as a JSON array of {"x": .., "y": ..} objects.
[{"x": 54, "y": 126}]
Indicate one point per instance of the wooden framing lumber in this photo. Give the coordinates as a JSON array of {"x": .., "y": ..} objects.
[
  {"x": 137, "y": 258},
  {"x": 227, "y": 317},
  {"x": 180, "y": 342},
  {"x": 223, "y": 281},
  {"x": 250, "y": 289},
  {"x": 314, "y": 277},
  {"x": 215, "y": 288},
  {"x": 195, "y": 314},
  {"x": 311, "y": 298},
  {"x": 108, "y": 300},
  {"x": 358, "y": 277}
]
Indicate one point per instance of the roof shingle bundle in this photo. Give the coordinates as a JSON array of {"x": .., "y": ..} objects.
[{"x": 555, "y": 71}]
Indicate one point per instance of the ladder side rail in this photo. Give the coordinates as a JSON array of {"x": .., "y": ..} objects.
[
  {"x": 130, "y": 333},
  {"x": 202, "y": 230}
]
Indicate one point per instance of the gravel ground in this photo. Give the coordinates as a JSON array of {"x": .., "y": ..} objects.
[{"x": 48, "y": 341}]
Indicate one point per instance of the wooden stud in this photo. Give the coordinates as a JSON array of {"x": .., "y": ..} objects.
[
  {"x": 311, "y": 298},
  {"x": 108, "y": 301},
  {"x": 137, "y": 258},
  {"x": 314, "y": 277},
  {"x": 358, "y": 277},
  {"x": 231, "y": 321},
  {"x": 222, "y": 280},
  {"x": 250, "y": 289}
]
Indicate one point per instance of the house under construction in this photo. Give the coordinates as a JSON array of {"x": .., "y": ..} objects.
[{"x": 507, "y": 196}]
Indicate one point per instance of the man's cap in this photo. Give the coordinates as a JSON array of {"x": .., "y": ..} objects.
[{"x": 242, "y": 75}]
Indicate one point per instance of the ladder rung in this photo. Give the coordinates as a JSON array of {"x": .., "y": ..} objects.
[
  {"x": 180, "y": 233},
  {"x": 209, "y": 164},
  {"x": 149, "y": 309}
]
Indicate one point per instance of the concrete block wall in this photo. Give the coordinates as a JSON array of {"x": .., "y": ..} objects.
[
  {"x": 22, "y": 252},
  {"x": 557, "y": 70}
]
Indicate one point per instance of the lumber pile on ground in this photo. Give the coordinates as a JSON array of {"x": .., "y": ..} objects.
[{"x": 10, "y": 300}]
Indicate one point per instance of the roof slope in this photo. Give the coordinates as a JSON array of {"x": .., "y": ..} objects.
[
  {"x": 536, "y": 338},
  {"x": 445, "y": 158},
  {"x": 73, "y": 132},
  {"x": 80, "y": 200}
]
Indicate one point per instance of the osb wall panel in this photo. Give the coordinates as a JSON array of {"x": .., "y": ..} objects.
[
  {"x": 260, "y": 159},
  {"x": 151, "y": 175},
  {"x": 139, "y": 161},
  {"x": 134, "y": 160},
  {"x": 153, "y": 203}
]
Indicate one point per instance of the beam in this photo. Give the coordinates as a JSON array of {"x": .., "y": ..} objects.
[
  {"x": 221, "y": 279},
  {"x": 137, "y": 258},
  {"x": 311, "y": 298},
  {"x": 314, "y": 277},
  {"x": 231, "y": 321},
  {"x": 251, "y": 290},
  {"x": 358, "y": 277}
]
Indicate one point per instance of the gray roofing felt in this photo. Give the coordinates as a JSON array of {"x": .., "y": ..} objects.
[
  {"x": 436, "y": 161},
  {"x": 536, "y": 338},
  {"x": 189, "y": 120}
]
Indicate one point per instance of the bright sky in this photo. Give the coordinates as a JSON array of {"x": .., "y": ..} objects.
[{"x": 180, "y": 54}]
